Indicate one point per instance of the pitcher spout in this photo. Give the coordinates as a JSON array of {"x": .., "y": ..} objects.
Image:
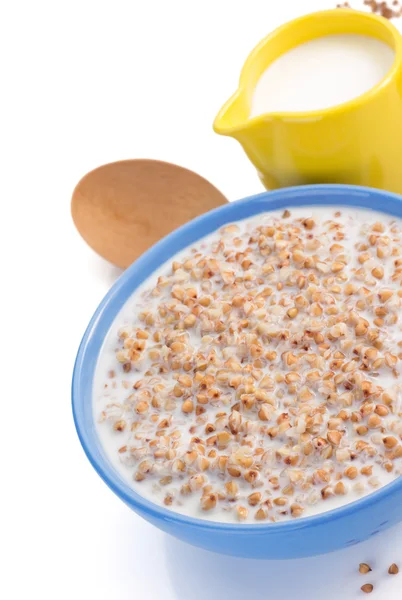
[{"x": 233, "y": 116}]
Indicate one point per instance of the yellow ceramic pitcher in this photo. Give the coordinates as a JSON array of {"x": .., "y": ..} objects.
[{"x": 358, "y": 142}]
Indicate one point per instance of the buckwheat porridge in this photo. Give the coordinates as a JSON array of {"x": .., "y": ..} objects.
[{"x": 256, "y": 376}]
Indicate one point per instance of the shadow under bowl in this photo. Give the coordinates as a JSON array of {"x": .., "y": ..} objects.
[{"x": 325, "y": 532}]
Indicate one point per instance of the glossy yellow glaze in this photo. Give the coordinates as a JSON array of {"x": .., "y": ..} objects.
[{"x": 358, "y": 142}]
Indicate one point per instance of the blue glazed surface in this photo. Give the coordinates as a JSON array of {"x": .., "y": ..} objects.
[{"x": 319, "y": 534}]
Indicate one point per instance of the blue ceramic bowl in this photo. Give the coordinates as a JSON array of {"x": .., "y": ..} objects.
[{"x": 308, "y": 536}]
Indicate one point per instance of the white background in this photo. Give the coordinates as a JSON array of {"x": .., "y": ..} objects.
[{"x": 83, "y": 83}]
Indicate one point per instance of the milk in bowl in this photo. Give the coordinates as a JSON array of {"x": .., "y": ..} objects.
[{"x": 256, "y": 376}]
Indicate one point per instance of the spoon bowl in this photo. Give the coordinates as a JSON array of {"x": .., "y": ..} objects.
[{"x": 121, "y": 209}]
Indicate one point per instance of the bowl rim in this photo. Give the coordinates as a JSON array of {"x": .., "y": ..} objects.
[{"x": 158, "y": 252}]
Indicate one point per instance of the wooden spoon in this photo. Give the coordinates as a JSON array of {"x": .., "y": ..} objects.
[{"x": 122, "y": 208}]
